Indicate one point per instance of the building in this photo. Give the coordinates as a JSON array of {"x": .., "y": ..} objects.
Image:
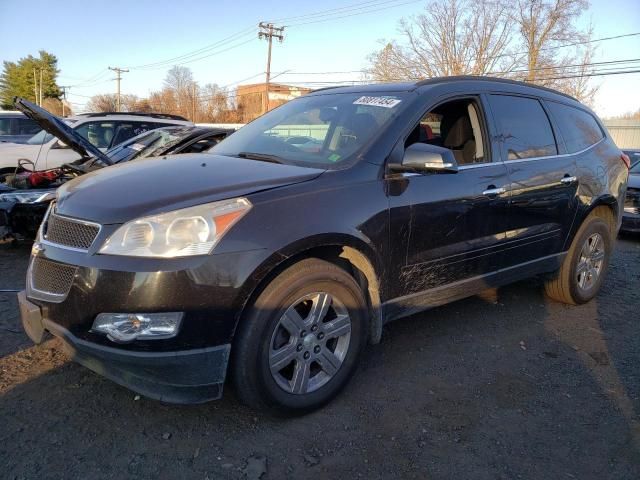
[
  {"x": 251, "y": 98},
  {"x": 626, "y": 133}
]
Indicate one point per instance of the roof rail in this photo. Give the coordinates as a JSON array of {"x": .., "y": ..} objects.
[
  {"x": 329, "y": 88},
  {"x": 460, "y": 78},
  {"x": 166, "y": 116}
]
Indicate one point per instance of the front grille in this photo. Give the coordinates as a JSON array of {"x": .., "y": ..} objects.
[
  {"x": 69, "y": 232},
  {"x": 51, "y": 277}
]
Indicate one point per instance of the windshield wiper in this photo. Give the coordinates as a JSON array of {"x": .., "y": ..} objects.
[{"x": 263, "y": 157}]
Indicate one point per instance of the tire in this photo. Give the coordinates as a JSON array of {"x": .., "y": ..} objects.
[
  {"x": 576, "y": 287},
  {"x": 264, "y": 380}
]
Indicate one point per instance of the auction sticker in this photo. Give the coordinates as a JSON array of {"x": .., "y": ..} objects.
[{"x": 385, "y": 102}]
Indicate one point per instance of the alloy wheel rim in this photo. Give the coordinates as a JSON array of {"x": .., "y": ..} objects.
[
  {"x": 590, "y": 262},
  {"x": 309, "y": 343}
]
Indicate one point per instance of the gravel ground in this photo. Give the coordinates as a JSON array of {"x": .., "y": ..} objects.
[{"x": 504, "y": 385}]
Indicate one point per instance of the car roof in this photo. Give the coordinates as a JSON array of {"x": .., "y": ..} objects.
[
  {"x": 159, "y": 116},
  {"x": 12, "y": 113},
  {"x": 128, "y": 117},
  {"x": 501, "y": 83}
]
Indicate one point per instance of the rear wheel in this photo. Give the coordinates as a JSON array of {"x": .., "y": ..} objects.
[
  {"x": 584, "y": 268},
  {"x": 301, "y": 341}
]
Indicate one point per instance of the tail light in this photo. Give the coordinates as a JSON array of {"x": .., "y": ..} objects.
[{"x": 627, "y": 161}]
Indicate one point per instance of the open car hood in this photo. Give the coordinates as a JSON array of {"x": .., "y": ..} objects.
[{"x": 58, "y": 128}]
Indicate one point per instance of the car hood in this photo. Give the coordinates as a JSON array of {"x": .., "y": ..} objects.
[
  {"x": 55, "y": 126},
  {"x": 154, "y": 185}
]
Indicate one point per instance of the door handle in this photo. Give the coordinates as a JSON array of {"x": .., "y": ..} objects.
[
  {"x": 492, "y": 191},
  {"x": 568, "y": 180}
]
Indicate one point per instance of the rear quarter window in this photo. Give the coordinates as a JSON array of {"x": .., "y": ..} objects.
[{"x": 578, "y": 128}]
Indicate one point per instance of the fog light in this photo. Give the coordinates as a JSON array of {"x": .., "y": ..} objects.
[{"x": 127, "y": 327}]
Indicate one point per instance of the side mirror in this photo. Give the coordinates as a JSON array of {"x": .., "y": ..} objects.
[
  {"x": 425, "y": 158},
  {"x": 60, "y": 144}
]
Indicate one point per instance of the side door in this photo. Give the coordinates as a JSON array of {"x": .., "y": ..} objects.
[
  {"x": 449, "y": 227},
  {"x": 542, "y": 180}
]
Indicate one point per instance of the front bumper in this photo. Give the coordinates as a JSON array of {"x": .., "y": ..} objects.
[{"x": 183, "y": 376}]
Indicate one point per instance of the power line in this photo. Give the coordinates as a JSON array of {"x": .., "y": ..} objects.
[
  {"x": 199, "y": 58},
  {"x": 207, "y": 48},
  {"x": 356, "y": 13},
  {"x": 337, "y": 10},
  {"x": 243, "y": 80},
  {"x": 93, "y": 78},
  {"x": 595, "y": 73}
]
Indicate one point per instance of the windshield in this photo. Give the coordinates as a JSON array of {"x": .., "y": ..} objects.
[
  {"x": 635, "y": 168},
  {"x": 317, "y": 130},
  {"x": 148, "y": 144}
]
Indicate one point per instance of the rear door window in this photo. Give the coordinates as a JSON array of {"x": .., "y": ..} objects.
[
  {"x": 524, "y": 126},
  {"x": 578, "y": 128}
]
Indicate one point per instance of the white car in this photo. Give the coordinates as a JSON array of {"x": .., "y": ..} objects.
[{"x": 103, "y": 130}]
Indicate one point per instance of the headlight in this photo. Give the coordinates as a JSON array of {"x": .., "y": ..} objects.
[
  {"x": 181, "y": 233},
  {"x": 28, "y": 197}
]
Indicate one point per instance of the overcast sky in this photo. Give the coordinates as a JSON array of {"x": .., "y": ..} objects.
[{"x": 87, "y": 37}]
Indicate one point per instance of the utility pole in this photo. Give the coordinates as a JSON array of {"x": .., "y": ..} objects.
[
  {"x": 64, "y": 96},
  {"x": 40, "y": 88},
  {"x": 269, "y": 31},
  {"x": 35, "y": 86},
  {"x": 119, "y": 72}
]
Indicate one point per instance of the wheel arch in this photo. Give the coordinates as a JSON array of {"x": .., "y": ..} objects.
[
  {"x": 605, "y": 206},
  {"x": 350, "y": 253}
]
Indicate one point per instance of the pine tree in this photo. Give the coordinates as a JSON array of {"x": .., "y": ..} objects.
[{"x": 17, "y": 78}]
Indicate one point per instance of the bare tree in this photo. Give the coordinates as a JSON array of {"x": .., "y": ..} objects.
[
  {"x": 54, "y": 106},
  {"x": 163, "y": 101},
  {"x": 454, "y": 37},
  {"x": 185, "y": 90},
  {"x": 213, "y": 101},
  {"x": 578, "y": 81},
  {"x": 543, "y": 25},
  {"x": 545, "y": 28},
  {"x": 627, "y": 116},
  {"x": 108, "y": 103}
]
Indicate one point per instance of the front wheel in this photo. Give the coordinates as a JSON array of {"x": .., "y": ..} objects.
[
  {"x": 584, "y": 268},
  {"x": 301, "y": 340}
]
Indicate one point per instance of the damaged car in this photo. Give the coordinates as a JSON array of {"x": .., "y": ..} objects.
[
  {"x": 273, "y": 264},
  {"x": 103, "y": 130},
  {"x": 27, "y": 193}
]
